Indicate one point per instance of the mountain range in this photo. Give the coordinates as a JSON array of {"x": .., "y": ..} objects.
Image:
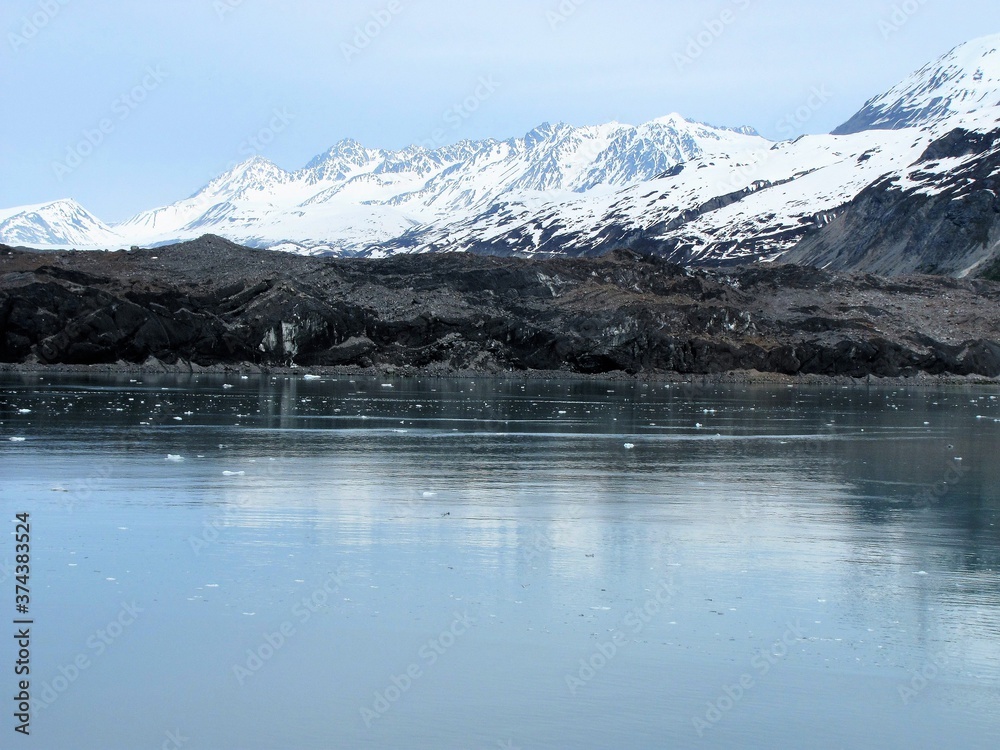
[{"x": 909, "y": 184}]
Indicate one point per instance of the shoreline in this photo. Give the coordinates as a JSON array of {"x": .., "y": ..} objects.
[
  {"x": 733, "y": 377},
  {"x": 619, "y": 317}
]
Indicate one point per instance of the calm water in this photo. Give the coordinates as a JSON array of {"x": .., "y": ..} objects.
[{"x": 354, "y": 563}]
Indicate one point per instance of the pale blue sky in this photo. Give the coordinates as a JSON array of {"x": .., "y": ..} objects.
[{"x": 212, "y": 74}]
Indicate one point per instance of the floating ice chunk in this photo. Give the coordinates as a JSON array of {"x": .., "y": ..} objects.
[
  {"x": 178, "y": 419},
  {"x": 226, "y": 385},
  {"x": 24, "y": 411},
  {"x": 174, "y": 457},
  {"x": 430, "y": 494},
  {"x": 698, "y": 425},
  {"x": 233, "y": 473},
  {"x": 313, "y": 377},
  {"x": 629, "y": 446},
  {"x": 921, "y": 573},
  {"x": 17, "y": 439},
  {"x": 388, "y": 385}
]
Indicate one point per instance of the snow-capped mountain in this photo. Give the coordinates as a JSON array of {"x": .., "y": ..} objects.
[
  {"x": 63, "y": 223},
  {"x": 965, "y": 83},
  {"x": 760, "y": 203},
  {"x": 352, "y": 197},
  {"x": 695, "y": 193}
]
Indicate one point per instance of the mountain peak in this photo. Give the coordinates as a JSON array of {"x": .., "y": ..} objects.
[
  {"x": 254, "y": 173},
  {"x": 62, "y": 222},
  {"x": 964, "y": 82},
  {"x": 672, "y": 119}
]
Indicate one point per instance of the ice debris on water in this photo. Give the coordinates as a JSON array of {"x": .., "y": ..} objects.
[
  {"x": 233, "y": 473},
  {"x": 174, "y": 457},
  {"x": 24, "y": 411},
  {"x": 629, "y": 446},
  {"x": 17, "y": 439}
]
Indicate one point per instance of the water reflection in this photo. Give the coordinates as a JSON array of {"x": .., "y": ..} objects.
[{"x": 843, "y": 511}]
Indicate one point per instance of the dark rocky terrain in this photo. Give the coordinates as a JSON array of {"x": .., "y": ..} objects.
[{"x": 209, "y": 303}]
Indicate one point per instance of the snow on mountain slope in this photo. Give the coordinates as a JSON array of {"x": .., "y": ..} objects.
[
  {"x": 62, "y": 223},
  {"x": 965, "y": 82},
  {"x": 757, "y": 204},
  {"x": 746, "y": 205},
  {"x": 351, "y": 197},
  {"x": 692, "y": 192},
  {"x": 941, "y": 215}
]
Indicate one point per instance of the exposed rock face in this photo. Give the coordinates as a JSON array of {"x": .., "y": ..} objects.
[
  {"x": 942, "y": 218},
  {"x": 211, "y": 302}
]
